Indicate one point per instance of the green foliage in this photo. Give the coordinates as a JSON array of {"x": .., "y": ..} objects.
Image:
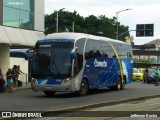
[{"x": 100, "y": 26}]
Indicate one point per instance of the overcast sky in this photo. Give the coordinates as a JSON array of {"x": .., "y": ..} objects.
[{"x": 143, "y": 12}]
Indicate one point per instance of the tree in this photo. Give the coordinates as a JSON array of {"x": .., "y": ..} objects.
[{"x": 100, "y": 26}]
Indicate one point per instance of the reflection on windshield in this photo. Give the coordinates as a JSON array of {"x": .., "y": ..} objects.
[
  {"x": 53, "y": 60},
  {"x": 136, "y": 71},
  {"x": 151, "y": 72},
  {"x": 61, "y": 62},
  {"x": 41, "y": 61}
]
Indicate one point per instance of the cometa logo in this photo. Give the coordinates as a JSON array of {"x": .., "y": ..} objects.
[{"x": 100, "y": 63}]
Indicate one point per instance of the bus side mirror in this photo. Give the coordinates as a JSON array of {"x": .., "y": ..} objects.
[{"x": 73, "y": 53}]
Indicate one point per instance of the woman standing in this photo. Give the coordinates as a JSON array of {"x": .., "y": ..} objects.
[
  {"x": 14, "y": 75},
  {"x": 9, "y": 80}
]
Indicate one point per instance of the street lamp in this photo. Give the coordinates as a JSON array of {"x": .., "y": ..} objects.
[
  {"x": 57, "y": 19},
  {"x": 73, "y": 26},
  {"x": 117, "y": 20}
]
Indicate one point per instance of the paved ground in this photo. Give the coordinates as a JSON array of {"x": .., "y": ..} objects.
[
  {"x": 27, "y": 100},
  {"x": 148, "y": 109}
]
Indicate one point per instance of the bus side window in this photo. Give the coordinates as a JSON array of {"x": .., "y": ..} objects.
[
  {"x": 129, "y": 56},
  {"x": 97, "y": 48},
  {"x": 114, "y": 56},
  {"x": 79, "y": 56},
  {"x": 89, "y": 49},
  {"x": 105, "y": 49}
]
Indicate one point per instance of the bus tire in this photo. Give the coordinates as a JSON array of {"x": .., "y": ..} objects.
[
  {"x": 119, "y": 85},
  {"x": 122, "y": 84},
  {"x": 49, "y": 93},
  {"x": 83, "y": 89}
]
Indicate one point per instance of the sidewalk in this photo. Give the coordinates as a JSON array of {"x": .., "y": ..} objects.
[{"x": 24, "y": 86}]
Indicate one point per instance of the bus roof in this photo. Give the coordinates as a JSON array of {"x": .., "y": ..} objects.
[{"x": 75, "y": 36}]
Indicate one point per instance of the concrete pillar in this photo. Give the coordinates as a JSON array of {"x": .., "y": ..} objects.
[
  {"x": 39, "y": 15},
  {"x": 4, "y": 57}
]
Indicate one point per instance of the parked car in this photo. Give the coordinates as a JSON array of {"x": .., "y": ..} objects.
[
  {"x": 142, "y": 71},
  {"x": 137, "y": 75},
  {"x": 149, "y": 75}
]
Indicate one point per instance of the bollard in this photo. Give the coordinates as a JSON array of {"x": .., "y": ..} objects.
[{"x": 26, "y": 80}]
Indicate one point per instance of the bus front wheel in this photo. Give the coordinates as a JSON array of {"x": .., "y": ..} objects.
[
  {"x": 49, "y": 93},
  {"x": 83, "y": 89}
]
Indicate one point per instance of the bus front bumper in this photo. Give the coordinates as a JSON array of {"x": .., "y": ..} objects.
[{"x": 57, "y": 88}]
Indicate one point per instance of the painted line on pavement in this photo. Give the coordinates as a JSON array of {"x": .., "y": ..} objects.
[{"x": 101, "y": 104}]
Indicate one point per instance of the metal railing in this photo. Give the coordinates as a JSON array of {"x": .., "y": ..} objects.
[{"x": 25, "y": 79}]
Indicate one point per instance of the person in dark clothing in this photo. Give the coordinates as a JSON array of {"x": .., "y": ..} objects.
[
  {"x": 2, "y": 81},
  {"x": 146, "y": 74},
  {"x": 14, "y": 75},
  {"x": 157, "y": 75},
  {"x": 9, "y": 80}
]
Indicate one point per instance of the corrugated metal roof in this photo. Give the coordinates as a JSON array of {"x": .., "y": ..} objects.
[
  {"x": 15, "y": 36},
  {"x": 155, "y": 42}
]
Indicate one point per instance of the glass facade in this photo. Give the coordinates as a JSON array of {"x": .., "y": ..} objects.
[{"x": 18, "y": 13}]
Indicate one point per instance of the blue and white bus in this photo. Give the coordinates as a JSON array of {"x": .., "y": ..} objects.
[{"x": 77, "y": 62}]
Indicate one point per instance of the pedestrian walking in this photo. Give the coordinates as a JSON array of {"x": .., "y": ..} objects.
[
  {"x": 157, "y": 75},
  {"x": 9, "y": 80}
]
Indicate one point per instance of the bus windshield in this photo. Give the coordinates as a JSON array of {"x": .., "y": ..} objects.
[{"x": 53, "y": 59}]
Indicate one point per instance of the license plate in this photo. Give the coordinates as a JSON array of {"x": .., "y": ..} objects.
[{"x": 49, "y": 87}]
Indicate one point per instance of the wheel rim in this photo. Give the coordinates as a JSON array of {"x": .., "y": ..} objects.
[
  {"x": 84, "y": 88},
  {"x": 119, "y": 85},
  {"x": 123, "y": 85}
]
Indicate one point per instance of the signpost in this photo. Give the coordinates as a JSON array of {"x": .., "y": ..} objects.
[{"x": 144, "y": 30}]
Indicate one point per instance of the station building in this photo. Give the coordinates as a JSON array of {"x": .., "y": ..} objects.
[
  {"x": 21, "y": 25},
  {"x": 147, "y": 55}
]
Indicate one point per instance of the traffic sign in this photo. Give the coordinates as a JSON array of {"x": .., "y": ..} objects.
[{"x": 144, "y": 30}]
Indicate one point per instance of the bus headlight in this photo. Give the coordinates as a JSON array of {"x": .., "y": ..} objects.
[
  {"x": 65, "y": 80},
  {"x": 34, "y": 81}
]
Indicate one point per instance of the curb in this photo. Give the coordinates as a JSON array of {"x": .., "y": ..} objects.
[
  {"x": 21, "y": 88},
  {"x": 24, "y": 86},
  {"x": 58, "y": 112}
]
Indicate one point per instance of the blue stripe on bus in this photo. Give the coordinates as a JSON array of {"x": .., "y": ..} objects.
[
  {"x": 104, "y": 78},
  {"x": 107, "y": 76},
  {"x": 101, "y": 77},
  {"x": 55, "y": 40},
  {"x": 127, "y": 69},
  {"x": 19, "y": 53}
]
